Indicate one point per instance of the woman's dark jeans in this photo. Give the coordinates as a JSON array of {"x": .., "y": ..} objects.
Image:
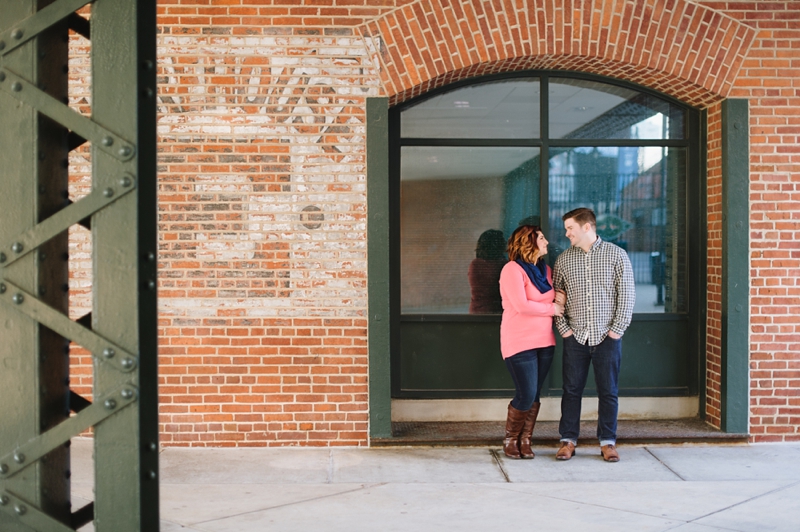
[
  {"x": 528, "y": 370},
  {"x": 605, "y": 358}
]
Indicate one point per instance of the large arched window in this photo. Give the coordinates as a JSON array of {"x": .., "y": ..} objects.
[{"x": 473, "y": 161}]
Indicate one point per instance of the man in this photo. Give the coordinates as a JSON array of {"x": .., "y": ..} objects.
[{"x": 597, "y": 278}]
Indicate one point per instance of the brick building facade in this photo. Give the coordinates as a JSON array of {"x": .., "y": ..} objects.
[{"x": 263, "y": 187}]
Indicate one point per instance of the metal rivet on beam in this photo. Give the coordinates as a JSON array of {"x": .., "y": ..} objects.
[
  {"x": 109, "y": 192},
  {"x": 17, "y": 34},
  {"x": 16, "y": 86},
  {"x": 17, "y": 247},
  {"x": 3, "y": 500},
  {"x": 20, "y": 509},
  {"x": 18, "y": 298},
  {"x": 108, "y": 141},
  {"x": 127, "y": 363},
  {"x": 108, "y": 352},
  {"x": 19, "y": 457},
  {"x": 110, "y": 404},
  {"x": 3, "y": 469}
]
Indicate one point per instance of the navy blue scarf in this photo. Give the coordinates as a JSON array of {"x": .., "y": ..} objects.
[{"x": 537, "y": 273}]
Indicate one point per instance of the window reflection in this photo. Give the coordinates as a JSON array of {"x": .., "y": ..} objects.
[
  {"x": 457, "y": 206},
  {"x": 581, "y": 109},
  {"x": 638, "y": 195},
  {"x": 501, "y": 109},
  {"x": 455, "y": 198}
]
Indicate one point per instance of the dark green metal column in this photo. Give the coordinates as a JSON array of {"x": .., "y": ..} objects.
[
  {"x": 735, "y": 346},
  {"x": 124, "y": 241},
  {"x": 380, "y": 400},
  {"x": 35, "y": 216},
  {"x": 20, "y": 381}
]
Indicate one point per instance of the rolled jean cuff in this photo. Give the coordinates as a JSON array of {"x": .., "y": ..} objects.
[
  {"x": 573, "y": 442},
  {"x": 603, "y": 443}
]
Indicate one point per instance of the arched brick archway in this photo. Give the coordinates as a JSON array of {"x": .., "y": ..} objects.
[{"x": 679, "y": 48}]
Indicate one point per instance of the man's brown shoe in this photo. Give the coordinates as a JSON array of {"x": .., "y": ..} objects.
[
  {"x": 566, "y": 451},
  {"x": 609, "y": 453}
]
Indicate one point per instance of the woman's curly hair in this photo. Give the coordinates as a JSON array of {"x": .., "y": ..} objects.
[{"x": 522, "y": 244}]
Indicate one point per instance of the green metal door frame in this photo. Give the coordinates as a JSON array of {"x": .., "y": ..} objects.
[{"x": 41, "y": 413}]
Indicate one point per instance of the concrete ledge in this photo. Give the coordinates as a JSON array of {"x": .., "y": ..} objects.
[{"x": 447, "y": 410}]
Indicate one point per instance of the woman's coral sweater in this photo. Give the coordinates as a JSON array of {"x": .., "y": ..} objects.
[{"x": 527, "y": 313}]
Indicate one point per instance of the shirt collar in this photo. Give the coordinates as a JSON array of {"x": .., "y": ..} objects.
[{"x": 594, "y": 245}]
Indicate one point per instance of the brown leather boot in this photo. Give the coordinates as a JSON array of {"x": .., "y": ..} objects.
[
  {"x": 525, "y": 450},
  {"x": 514, "y": 422}
]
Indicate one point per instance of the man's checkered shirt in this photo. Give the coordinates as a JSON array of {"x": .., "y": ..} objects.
[{"x": 600, "y": 291}]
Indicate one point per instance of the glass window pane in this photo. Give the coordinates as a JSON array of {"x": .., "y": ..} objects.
[
  {"x": 458, "y": 205},
  {"x": 581, "y": 109},
  {"x": 639, "y": 197},
  {"x": 497, "y": 110}
]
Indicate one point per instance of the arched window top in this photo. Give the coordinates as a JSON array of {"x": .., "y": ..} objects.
[
  {"x": 575, "y": 108},
  {"x": 584, "y": 109},
  {"x": 504, "y": 109}
]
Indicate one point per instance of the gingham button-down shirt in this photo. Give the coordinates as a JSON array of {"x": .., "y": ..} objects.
[{"x": 600, "y": 291}]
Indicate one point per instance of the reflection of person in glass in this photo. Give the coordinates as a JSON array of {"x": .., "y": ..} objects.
[
  {"x": 527, "y": 341},
  {"x": 484, "y": 273}
]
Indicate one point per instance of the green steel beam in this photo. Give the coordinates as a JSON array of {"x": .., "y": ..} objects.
[
  {"x": 735, "y": 266},
  {"x": 39, "y": 131},
  {"x": 35, "y": 370},
  {"x": 124, "y": 306},
  {"x": 380, "y": 399},
  {"x": 24, "y": 30}
]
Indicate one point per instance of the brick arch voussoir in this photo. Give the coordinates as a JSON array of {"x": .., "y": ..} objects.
[
  {"x": 679, "y": 89},
  {"x": 678, "y": 47}
]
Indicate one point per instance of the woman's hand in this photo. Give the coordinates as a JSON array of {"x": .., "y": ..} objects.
[
  {"x": 561, "y": 298},
  {"x": 558, "y": 309}
]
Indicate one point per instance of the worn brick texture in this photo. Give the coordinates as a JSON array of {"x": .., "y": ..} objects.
[
  {"x": 770, "y": 79},
  {"x": 262, "y": 185}
]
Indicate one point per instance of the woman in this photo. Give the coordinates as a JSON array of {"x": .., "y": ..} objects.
[{"x": 527, "y": 341}]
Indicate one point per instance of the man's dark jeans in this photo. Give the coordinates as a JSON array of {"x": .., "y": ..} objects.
[
  {"x": 528, "y": 370},
  {"x": 605, "y": 358}
]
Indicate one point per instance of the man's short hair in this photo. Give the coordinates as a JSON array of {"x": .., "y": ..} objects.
[{"x": 582, "y": 216}]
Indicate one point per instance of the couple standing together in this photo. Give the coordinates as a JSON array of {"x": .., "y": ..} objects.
[{"x": 590, "y": 295}]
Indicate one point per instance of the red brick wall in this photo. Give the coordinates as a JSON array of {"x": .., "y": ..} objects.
[
  {"x": 713, "y": 369},
  {"x": 770, "y": 79},
  {"x": 263, "y": 309},
  {"x": 262, "y": 114}
]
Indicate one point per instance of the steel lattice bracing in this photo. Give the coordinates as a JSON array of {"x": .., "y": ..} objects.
[{"x": 38, "y": 129}]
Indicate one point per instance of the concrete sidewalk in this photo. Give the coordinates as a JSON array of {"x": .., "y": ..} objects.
[{"x": 685, "y": 488}]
